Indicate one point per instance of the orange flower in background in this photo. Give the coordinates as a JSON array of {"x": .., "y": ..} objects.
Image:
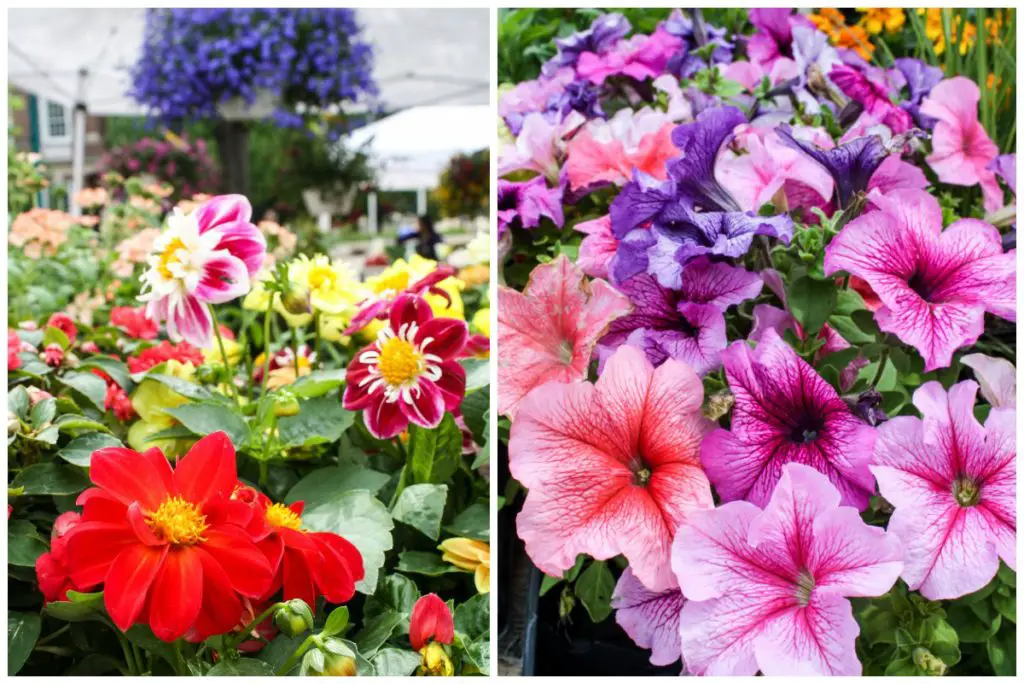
[
  {"x": 40, "y": 231},
  {"x": 828, "y": 20},
  {"x": 831, "y": 21},
  {"x": 92, "y": 197},
  {"x": 879, "y": 19},
  {"x": 167, "y": 544},
  {"x": 934, "y": 31}
]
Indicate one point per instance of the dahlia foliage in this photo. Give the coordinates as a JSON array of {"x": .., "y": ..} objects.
[
  {"x": 757, "y": 333},
  {"x": 227, "y": 458}
]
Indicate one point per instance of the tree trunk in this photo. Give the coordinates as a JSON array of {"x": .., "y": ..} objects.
[{"x": 233, "y": 142}]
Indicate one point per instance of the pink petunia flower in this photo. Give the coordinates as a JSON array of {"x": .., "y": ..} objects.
[
  {"x": 409, "y": 374},
  {"x": 997, "y": 378},
  {"x": 767, "y": 589},
  {"x": 206, "y": 257},
  {"x": 650, "y": 618},
  {"x": 935, "y": 285},
  {"x": 598, "y": 248},
  {"x": 872, "y": 95},
  {"x": 785, "y": 412},
  {"x": 547, "y": 332},
  {"x": 640, "y": 57},
  {"x": 611, "y": 468},
  {"x": 750, "y": 74},
  {"x": 540, "y": 145},
  {"x": 608, "y": 151},
  {"x": 952, "y": 483},
  {"x": 961, "y": 149}
]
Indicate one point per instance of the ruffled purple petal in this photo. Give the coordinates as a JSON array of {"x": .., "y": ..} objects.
[
  {"x": 851, "y": 164},
  {"x": 694, "y": 171},
  {"x": 651, "y": 619}
]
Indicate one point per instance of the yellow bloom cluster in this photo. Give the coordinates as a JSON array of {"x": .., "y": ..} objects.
[
  {"x": 963, "y": 36},
  {"x": 875, "y": 20},
  {"x": 831, "y": 21}
]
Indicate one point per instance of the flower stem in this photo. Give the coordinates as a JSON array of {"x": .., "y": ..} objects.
[
  {"x": 180, "y": 667},
  {"x": 244, "y": 633},
  {"x": 266, "y": 344},
  {"x": 223, "y": 353},
  {"x": 881, "y": 367},
  {"x": 294, "y": 657},
  {"x": 316, "y": 331},
  {"x": 128, "y": 659},
  {"x": 295, "y": 350}
]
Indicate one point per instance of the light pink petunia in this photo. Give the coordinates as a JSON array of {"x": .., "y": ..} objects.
[
  {"x": 547, "y": 332},
  {"x": 785, "y": 412},
  {"x": 641, "y": 57},
  {"x": 650, "y": 618},
  {"x": 750, "y": 74},
  {"x": 767, "y": 589},
  {"x": 540, "y": 145},
  {"x": 612, "y": 467},
  {"x": 598, "y": 248},
  {"x": 961, "y": 149},
  {"x": 952, "y": 482},
  {"x": 608, "y": 151},
  {"x": 997, "y": 377},
  {"x": 935, "y": 285}
]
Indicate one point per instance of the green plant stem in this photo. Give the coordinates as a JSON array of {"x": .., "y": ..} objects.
[
  {"x": 264, "y": 474},
  {"x": 881, "y": 368},
  {"x": 244, "y": 633},
  {"x": 47, "y": 639},
  {"x": 128, "y": 658},
  {"x": 223, "y": 353},
  {"x": 316, "y": 331},
  {"x": 295, "y": 350},
  {"x": 266, "y": 344},
  {"x": 294, "y": 657},
  {"x": 180, "y": 667}
]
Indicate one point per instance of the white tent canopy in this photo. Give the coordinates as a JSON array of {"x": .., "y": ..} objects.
[{"x": 83, "y": 56}]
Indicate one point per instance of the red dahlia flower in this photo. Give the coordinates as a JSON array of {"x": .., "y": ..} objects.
[
  {"x": 168, "y": 546},
  {"x": 51, "y": 567},
  {"x": 309, "y": 564},
  {"x": 13, "y": 347},
  {"x": 410, "y": 373},
  {"x": 64, "y": 323},
  {"x": 183, "y": 352},
  {"x": 430, "y": 619}
]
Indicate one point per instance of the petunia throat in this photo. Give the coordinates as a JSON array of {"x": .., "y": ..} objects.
[
  {"x": 806, "y": 430},
  {"x": 966, "y": 491},
  {"x": 804, "y": 587}
]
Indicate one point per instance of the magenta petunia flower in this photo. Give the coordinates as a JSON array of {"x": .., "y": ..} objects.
[
  {"x": 961, "y": 148},
  {"x": 612, "y": 467},
  {"x": 640, "y": 57},
  {"x": 206, "y": 257},
  {"x": 785, "y": 412},
  {"x": 952, "y": 482},
  {"x": 547, "y": 332},
  {"x": 650, "y": 618},
  {"x": 767, "y": 589},
  {"x": 935, "y": 285},
  {"x": 410, "y": 373},
  {"x": 872, "y": 95}
]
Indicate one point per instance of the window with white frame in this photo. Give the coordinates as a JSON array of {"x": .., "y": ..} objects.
[{"x": 56, "y": 120}]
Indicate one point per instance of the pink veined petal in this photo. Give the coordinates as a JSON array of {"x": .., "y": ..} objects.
[
  {"x": 651, "y": 619},
  {"x": 223, "y": 209},
  {"x": 997, "y": 377},
  {"x": 851, "y": 558},
  {"x": 189, "y": 320},
  {"x": 224, "y": 278},
  {"x": 935, "y": 330},
  {"x": 814, "y": 640},
  {"x": 707, "y": 282},
  {"x": 896, "y": 174},
  {"x": 768, "y": 317},
  {"x": 598, "y": 248},
  {"x": 245, "y": 242},
  {"x": 974, "y": 269},
  {"x": 998, "y": 502}
]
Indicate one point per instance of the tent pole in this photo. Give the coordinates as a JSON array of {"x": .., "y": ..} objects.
[
  {"x": 78, "y": 145},
  {"x": 371, "y": 213},
  {"x": 421, "y": 202}
]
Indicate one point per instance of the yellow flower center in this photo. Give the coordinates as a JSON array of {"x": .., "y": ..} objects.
[
  {"x": 280, "y": 515},
  {"x": 169, "y": 256},
  {"x": 322, "y": 276},
  {"x": 178, "y": 521},
  {"x": 399, "y": 362},
  {"x": 389, "y": 285}
]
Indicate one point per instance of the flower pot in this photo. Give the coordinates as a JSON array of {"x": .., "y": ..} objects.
[{"x": 237, "y": 109}]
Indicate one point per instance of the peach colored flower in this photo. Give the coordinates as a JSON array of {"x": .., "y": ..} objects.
[
  {"x": 134, "y": 250},
  {"x": 92, "y": 197},
  {"x": 40, "y": 231}
]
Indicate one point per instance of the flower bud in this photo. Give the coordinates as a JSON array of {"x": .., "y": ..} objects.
[
  {"x": 339, "y": 665},
  {"x": 285, "y": 404},
  {"x": 296, "y": 302},
  {"x": 294, "y": 618},
  {"x": 53, "y": 355},
  {"x": 436, "y": 662},
  {"x": 928, "y": 662},
  {"x": 13, "y": 423}
]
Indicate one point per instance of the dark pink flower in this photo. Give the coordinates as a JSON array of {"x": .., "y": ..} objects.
[
  {"x": 873, "y": 96},
  {"x": 133, "y": 322},
  {"x": 53, "y": 355},
  {"x": 63, "y": 322}
]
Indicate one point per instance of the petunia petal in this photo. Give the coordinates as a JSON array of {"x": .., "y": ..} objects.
[
  {"x": 651, "y": 619},
  {"x": 814, "y": 640}
]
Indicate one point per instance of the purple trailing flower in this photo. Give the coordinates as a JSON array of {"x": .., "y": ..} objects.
[
  {"x": 851, "y": 164},
  {"x": 774, "y": 36},
  {"x": 581, "y": 96},
  {"x": 521, "y": 205},
  {"x": 602, "y": 35},
  {"x": 920, "y": 79},
  {"x": 686, "y": 323},
  {"x": 1005, "y": 166},
  {"x": 662, "y": 225}
]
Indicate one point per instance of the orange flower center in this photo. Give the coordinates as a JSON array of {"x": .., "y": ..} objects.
[
  {"x": 169, "y": 256},
  {"x": 178, "y": 522},
  {"x": 400, "y": 362},
  {"x": 280, "y": 515}
]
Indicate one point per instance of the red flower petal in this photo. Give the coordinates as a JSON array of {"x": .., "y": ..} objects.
[
  {"x": 430, "y": 619},
  {"x": 340, "y": 568},
  {"x": 223, "y": 209},
  {"x": 448, "y": 336},
  {"x": 144, "y": 533},
  {"x": 207, "y": 469},
  {"x": 427, "y": 407},
  {"x": 409, "y": 309},
  {"x": 129, "y": 476},
  {"x": 384, "y": 419},
  {"x": 176, "y": 596},
  {"x": 98, "y": 506},
  {"x": 221, "y": 607},
  {"x": 452, "y": 384},
  {"x": 298, "y": 577},
  {"x": 128, "y": 582},
  {"x": 241, "y": 559},
  {"x": 93, "y": 546}
]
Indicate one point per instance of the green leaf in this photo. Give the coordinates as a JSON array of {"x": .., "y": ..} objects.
[
  {"x": 24, "y": 544},
  {"x": 51, "y": 479},
  {"x": 187, "y": 389},
  {"x": 43, "y": 412},
  {"x": 337, "y": 621},
  {"x": 969, "y": 627},
  {"x": 319, "y": 421},
  {"x": 117, "y": 370},
  {"x": 53, "y": 335},
  {"x": 242, "y": 667},
  {"x": 594, "y": 589},
  {"x": 396, "y": 593},
  {"x": 72, "y": 423},
  {"x": 479, "y": 654},
  {"x": 376, "y": 631},
  {"x": 18, "y": 402},
  {"x": 1006, "y": 605},
  {"x": 78, "y": 608},
  {"x": 326, "y": 483},
  {"x": 812, "y": 302},
  {"x": 422, "y": 506},
  {"x": 22, "y": 632},
  {"x": 143, "y": 637},
  {"x": 91, "y": 386},
  {"x": 361, "y": 519},
  {"x": 942, "y": 640},
  {"x": 1007, "y": 576},
  {"x": 434, "y": 454},
  {"x": 474, "y": 412},
  {"x": 424, "y": 563},
  {"x": 849, "y": 331},
  {"x": 205, "y": 419},
  {"x": 1002, "y": 653},
  {"x": 395, "y": 662},
  {"x": 473, "y": 617},
  {"x": 79, "y": 451},
  {"x": 474, "y": 523},
  {"x": 478, "y": 374},
  {"x": 902, "y": 667},
  {"x": 317, "y": 383}
]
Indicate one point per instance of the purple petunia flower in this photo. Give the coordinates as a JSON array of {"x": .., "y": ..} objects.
[
  {"x": 1005, "y": 166},
  {"x": 581, "y": 96},
  {"x": 602, "y": 35},
  {"x": 920, "y": 79},
  {"x": 686, "y": 323},
  {"x": 785, "y": 413},
  {"x": 521, "y": 205},
  {"x": 774, "y": 36},
  {"x": 851, "y": 164}
]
